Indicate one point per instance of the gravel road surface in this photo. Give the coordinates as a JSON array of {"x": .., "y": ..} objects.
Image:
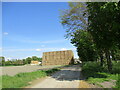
[{"x": 68, "y": 77}]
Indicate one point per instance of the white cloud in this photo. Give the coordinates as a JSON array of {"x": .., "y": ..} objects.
[
  {"x": 42, "y": 45},
  {"x": 5, "y": 33},
  {"x": 9, "y": 58},
  {"x": 38, "y": 49},
  {"x": 63, "y": 49}
]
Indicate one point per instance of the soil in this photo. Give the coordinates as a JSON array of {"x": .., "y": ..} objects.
[
  {"x": 68, "y": 77},
  {"x": 13, "y": 70},
  {"x": 108, "y": 84}
]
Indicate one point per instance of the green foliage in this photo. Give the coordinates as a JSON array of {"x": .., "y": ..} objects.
[
  {"x": 89, "y": 69},
  {"x": 96, "y": 74},
  {"x": 52, "y": 70},
  {"x": 28, "y": 60},
  {"x": 18, "y": 62},
  {"x": 2, "y": 60},
  {"x": 116, "y": 67},
  {"x": 75, "y": 21},
  {"x": 0, "y": 82},
  {"x": 118, "y": 82},
  {"x": 105, "y": 27},
  {"x": 85, "y": 46},
  {"x": 35, "y": 58},
  {"x": 74, "y": 18},
  {"x": 103, "y": 23},
  {"x": 94, "y": 29},
  {"x": 22, "y": 79},
  {"x": 117, "y": 54}
]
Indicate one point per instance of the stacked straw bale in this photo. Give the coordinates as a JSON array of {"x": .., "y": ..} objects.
[{"x": 58, "y": 58}]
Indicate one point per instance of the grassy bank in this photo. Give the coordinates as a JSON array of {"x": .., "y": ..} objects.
[
  {"x": 23, "y": 79},
  {"x": 96, "y": 74}
]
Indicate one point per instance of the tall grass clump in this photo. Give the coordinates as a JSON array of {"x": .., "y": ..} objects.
[
  {"x": 95, "y": 73},
  {"x": 90, "y": 69},
  {"x": 116, "y": 67}
]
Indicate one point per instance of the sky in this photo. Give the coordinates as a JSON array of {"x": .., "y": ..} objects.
[{"x": 31, "y": 28}]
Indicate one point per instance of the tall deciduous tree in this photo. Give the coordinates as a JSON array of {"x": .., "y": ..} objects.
[
  {"x": 85, "y": 47},
  {"x": 104, "y": 26},
  {"x": 75, "y": 19},
  {"x": 28, "y": 60},
  {"x": 101, "y": 21},
  {"x": 2, "y": 60}
]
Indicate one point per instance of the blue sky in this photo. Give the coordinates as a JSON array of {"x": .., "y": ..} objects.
[{"x": 29, "y": 29}]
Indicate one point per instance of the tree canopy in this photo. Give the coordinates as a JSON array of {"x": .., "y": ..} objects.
[{"x": 94, "y": 28}]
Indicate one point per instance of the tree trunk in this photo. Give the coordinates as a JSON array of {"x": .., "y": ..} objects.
[
  {"x": 101, "y": 60},
  {"x": 109, "y": 63},
  {"x": 113, "y": 55}
]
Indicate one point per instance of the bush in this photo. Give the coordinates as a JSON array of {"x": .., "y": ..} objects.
[
  {"x": 90, "y": 69},
  {"x": 116, "y": 67},
  {"x": 94, "y": 73},
  {"x": 118, "y": 82}
]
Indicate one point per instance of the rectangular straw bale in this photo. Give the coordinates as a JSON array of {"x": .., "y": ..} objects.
[{"x": 58, "y": 58}]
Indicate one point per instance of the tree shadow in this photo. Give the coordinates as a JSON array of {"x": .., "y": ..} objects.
[
  {"x": 98, "y": 75},
  {"x": 67, "y": 75},
  {"x": 93, "y": 74}
]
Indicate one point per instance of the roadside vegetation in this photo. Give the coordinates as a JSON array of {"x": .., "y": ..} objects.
[
  {"x": 94, "y": 29},
  {"x": 95, "y": 74},
  {"x": 22, "y": 79}
]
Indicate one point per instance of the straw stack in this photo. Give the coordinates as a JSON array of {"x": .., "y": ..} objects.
[{"x": 58, "y": 58}]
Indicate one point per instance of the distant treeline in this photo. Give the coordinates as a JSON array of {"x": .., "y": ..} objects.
[{"x": 17, "y": 62}]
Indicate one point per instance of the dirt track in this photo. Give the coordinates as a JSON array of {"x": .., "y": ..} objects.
[
  {"x": 13, "y": 70},
  {"x": 68, "y": 77}
]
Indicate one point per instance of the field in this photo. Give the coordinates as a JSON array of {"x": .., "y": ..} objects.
[{"x": 13, "y": 70}]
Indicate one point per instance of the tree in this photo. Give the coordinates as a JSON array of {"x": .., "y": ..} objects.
[
  {"x": 75, "y": 18},
  {"x": 28, "y": 60},
  {"x": 2, "y": 60},
  {"x": 39, "y": 59},
  {"x": 104, "y": 26},
  {"x": 8, "y": 63},
  {"x": 34, "y": 58},
  {"x": 75, "y": 21},
  {"x": 85, "y": 47},
  {"x": 24, "y": 62},
  {"x": 101, "y": 21}
]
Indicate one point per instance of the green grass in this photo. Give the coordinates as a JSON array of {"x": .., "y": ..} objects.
[
  {"x": 22, "y": 79},
  {"x": 96, "y": 74},
  {"x": 118, "y": 82},
  {"x": 0, "y": 82}
]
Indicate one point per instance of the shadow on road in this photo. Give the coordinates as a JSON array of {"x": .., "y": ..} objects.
[{"x": 68, "y": 74}]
